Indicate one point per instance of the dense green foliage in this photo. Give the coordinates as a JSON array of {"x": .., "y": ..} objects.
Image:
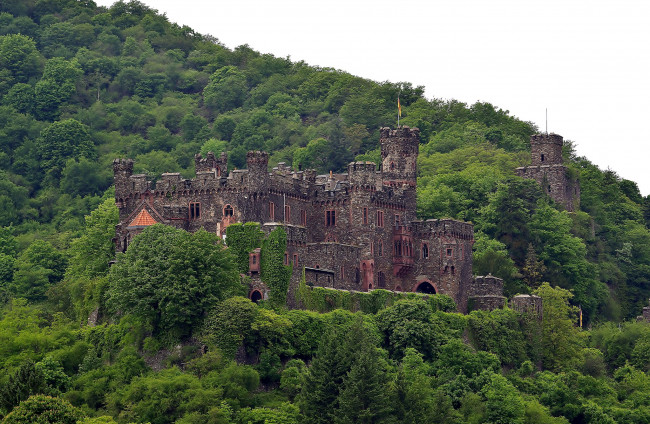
[{"x": 81, "y": 85}]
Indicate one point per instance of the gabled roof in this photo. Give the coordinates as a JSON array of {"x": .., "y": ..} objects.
[{"x": 143, "y": 219}]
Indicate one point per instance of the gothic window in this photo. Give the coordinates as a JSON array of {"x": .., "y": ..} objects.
[
  {"x": 228, "y": 211},
  {"x": 365, "y": 216},
  {"x": 330, "y": 218},
  {"x": 303, "y": 218},
  {"x": 425, "y": 251},
  {"x": 295, "y": 260},
  {"x": 287, "y": 213},
  {"x": 380, "y": 218},
  {"x": 195, "y": 210},
  {"x": 271, "y": 212},
  {"x": 382, "y": 280}
]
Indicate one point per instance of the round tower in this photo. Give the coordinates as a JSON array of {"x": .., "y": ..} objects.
[
  {"x": 546, "y": 149},
  {"x": 399, "y": 155}
]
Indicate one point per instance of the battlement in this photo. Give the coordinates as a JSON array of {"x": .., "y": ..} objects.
[
  {"x": 123, "y": 165},
  {"x": 257, "y": 157},
  {"x": 211, "y": 163},
  {"x": 547, "y": 139},
  {"x": 527, "y": 304},
  {"x": 404, "y": 133},
  {"x": 488, "y": 285},
  {"x": 458, "y": 229}
]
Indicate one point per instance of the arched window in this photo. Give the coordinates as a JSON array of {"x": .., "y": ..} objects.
[
  {"x": 425, "y": 251},
  {"x": 382, "y": 280},
  {"x": 228, "y": 211}
]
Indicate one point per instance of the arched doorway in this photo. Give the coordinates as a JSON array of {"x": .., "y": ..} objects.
[
  {"x": 256, "y": 296},
  {"x": 426, "y": 288}
]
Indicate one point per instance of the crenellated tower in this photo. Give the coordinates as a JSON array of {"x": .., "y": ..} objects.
[
  {"x": 399, "y": 156},
  {"x": 548, "y": 169},
  {"x": 122, "y": 171},
  {"x": 258, "y": 170}
]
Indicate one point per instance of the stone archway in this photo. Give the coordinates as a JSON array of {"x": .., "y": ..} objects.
[
  {"x": 425, "y": 287},
  {"x": 256, "y": 296}
]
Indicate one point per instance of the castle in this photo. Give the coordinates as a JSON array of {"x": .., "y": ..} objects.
[
  {"x": 353, "y": 231},
  {"x": 548, "y": 169}
]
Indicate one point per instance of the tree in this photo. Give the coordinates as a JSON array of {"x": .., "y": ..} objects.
[
  {"x": 561, "y": 340},
  {"x": 18, "y": 54},
  {"x": 43, "y": 409},
  {"x": 169, "y": 277},
  {"x": 55, "y": 87},
  {"x": 63, "y": 140},
  {"x": 226, "y": 89},
  {"x": 37, "y": 268}
]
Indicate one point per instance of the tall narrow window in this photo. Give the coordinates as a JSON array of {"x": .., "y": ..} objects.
[
  {"x": 365, "y": 216},
  {"x": 380, "y": 218},
  {"x": 330, "y": 218},
  {"x": 295, "y": 260},
  {"x": 271, "y": 211},
  {"x": 381, "y": 248},
  {"x": 287, "y": 213},
  {"x": 425, "y": 251},
  {"x": 286, "y": 258},
  {"x": 342, "y": 272},
  {"x": 396, "y": 220},
  {"x": 303, "y": 218},
  {"x": 542, "y": 157},
  {"x": 195, "y": 210}
]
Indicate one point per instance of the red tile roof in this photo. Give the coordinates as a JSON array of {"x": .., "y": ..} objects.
[{"x": 143, "y": 219}]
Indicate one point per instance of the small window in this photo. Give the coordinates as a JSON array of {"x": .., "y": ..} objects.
[
  {"x": 303, "y": 218},
  {"x": 295, "y": 260},
  {"x": 365, "y": 216},
  {"x": 272, "y": 211},
  {"x": 453, "y": 270},
  {"x": 425, "y": 251},
  {"x": 286, "y": 258},
  {"x": 450, "y": 252},
  {"x": 228, "y": 211},
  {"x": 342, "y": 272},
  {"x": 392, "y": 166},
  {"x": 380, "y": 250},
  {"x": 195, "y": 210},
  {"x": 542, "y": 157},
  {"x": 380, "y": 218},
  {"x": 330, "y": 218},
  {"x": 287, "y": 213},
  {"x": 382, "y": 280},
  {"x": 254, "y": 257},
  {"x": 396, "y": 220}
]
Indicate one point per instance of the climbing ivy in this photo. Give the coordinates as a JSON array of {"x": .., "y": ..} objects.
[
  {"x": 241, "y": 239},
  {"x": 323, "y": 300},
  {"x": 274, "y": 273}
]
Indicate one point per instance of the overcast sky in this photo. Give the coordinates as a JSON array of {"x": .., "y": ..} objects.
[{"x": 588, "y": 62}]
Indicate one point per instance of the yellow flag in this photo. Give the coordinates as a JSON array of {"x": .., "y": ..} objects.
[{"x": 399, "y": 108}]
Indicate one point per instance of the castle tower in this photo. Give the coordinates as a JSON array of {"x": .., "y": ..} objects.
[
  {"x": 399, "y": 155},
  {"x": 546, "y": 149},
  {"x": 258, "y": 170},
  {"x": 122, "y": 171},
  {"x": 212, "y": 163},
  {"x": 547, "y": 168}
]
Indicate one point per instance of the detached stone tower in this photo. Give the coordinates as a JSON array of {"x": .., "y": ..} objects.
[{"x": 547, "y": 168}]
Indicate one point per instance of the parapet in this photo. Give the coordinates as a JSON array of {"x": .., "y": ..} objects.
[
  {"x": 403, "y": 132},
  {"x": 257, "y": 157},
  {"x": 123, "y": 166},
  {"x": 546, "y": 139},
  {"x": 527, "y": 304},
  {"x": 452, "y": 227},
  {"x": 488, "y": 285}
]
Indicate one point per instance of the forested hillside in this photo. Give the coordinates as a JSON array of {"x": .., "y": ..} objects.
[{"x": 81, "y": 85}]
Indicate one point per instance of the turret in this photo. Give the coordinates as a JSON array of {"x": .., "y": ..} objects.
[
  {"x": 258, "y": 170},
  {"x": 122, "y": 171},
  {"x": 211, "y": 163},
  {"x": 362, "y": 174},
  {"x": 546, "y": 149},
  {"x": 399, "y": 155}
]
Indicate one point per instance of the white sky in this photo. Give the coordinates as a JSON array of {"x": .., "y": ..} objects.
[{"x": 587, "y": 61}]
